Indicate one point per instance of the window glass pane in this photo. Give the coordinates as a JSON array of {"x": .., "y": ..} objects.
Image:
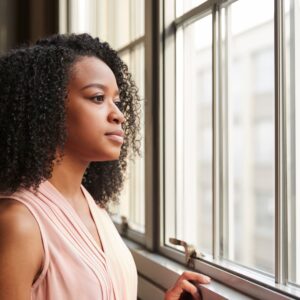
[
  {"x": 119, "y": 22},
  {"x": 194, "y": 135},
  {"x": 132, "y": 200},
  {"x": 125, "y": 56},
  {"x": 123, "y": 207},
  {"x": 183, "y": 6},
  {"x": 137, "y": 168},
  {"x": 248, "y": 50},
  {"x": 292, "y": 46},
  {"x": 83, "y": 16},
  {"x": 125, "y": 21},
  {"x": 137, "y": 19}
]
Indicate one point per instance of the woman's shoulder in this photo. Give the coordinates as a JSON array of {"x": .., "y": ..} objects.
[
  {"x": 17, "y": 224},
  {"x": 20, "y": 246},
  {"x": 16, "y": 216}
]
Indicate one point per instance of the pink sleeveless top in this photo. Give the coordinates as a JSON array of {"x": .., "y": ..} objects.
[{"x": 75, "y": 268}]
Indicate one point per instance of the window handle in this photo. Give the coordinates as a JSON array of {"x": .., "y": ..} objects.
[{"x": 190, "y": 252}]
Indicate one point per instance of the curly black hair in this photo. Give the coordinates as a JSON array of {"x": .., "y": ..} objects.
[{"x": 33, "y": 95}]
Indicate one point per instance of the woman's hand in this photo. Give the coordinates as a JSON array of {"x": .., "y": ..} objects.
[{"x": 183, "y": 285}]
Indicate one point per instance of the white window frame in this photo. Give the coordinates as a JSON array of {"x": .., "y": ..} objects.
[
  {"x": 252, "y": 283},
  {"x": 130, "y": 232},
  {"x": 68, "y": 23}
]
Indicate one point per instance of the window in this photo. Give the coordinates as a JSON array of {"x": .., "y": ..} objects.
[
  {"x": 193, "y": 136},
  {"x": 132, "y": 202},
  {"x": 222, "y": 158},
  {"x": 248, "y": 146},
  {"x": 121, "y": 23}
]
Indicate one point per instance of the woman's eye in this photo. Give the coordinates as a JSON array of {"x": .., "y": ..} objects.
[{"x": 98, "y": 98}]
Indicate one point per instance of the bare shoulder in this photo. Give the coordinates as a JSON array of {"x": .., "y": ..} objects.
[
  {"x": 21, "y": 249},
  {"x": 15, "y": 216},
  {"x": 14, "y": 213},
  {"x": 18, "y": 226}
]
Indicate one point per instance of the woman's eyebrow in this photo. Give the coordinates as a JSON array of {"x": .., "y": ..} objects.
[{"x": 98, "y": 85}]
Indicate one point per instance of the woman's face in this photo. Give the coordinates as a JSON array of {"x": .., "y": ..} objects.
[{"x": 94, "y": 131}]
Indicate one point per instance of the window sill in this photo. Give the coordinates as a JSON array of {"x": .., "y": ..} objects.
[{"x": 163, "y": 273}]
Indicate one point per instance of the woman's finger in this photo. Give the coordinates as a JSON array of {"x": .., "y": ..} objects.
[
  {"x": 200, "y": 278},
  {"x": 185, "y": 284},
  {"x": 181, "y": 286}
]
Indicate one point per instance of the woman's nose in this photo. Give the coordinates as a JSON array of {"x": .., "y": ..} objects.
[{"x": 116, "y": 115}]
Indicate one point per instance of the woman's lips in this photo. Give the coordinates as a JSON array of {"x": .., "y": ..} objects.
[{"x": 117, "y": 136}]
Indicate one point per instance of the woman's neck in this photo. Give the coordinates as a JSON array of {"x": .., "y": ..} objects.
[{"x": 67, "y": 177}]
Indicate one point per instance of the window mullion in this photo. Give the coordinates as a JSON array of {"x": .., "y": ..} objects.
[
  {"x": 228, "y": 207},
  {"x": 222, "y": 138},
  {"x": 281, "y": 251},
  {"x": 216, "y": 135},
  {"x": 135, "y": 43},
  {"x": 293, "y": 272},
  {"x": 151, "y": 109}
]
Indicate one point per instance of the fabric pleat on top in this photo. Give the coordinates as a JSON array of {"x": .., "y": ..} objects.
[{"x": 75, "y": 268}]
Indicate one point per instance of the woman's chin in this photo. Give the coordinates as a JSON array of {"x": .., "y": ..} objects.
[{"x": 111, "y": 157}]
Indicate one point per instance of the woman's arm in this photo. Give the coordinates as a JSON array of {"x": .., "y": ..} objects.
[
  {"x": 183, "y": 284},
  {"x": 21, "y": 250}
]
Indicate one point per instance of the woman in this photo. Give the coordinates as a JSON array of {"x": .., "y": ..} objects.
[{"x": 69, "y": 118}]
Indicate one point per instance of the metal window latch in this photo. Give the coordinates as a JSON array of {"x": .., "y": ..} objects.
[
  {"x": 124, "y": 225},
  {"x": 190, "y": 252}
]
